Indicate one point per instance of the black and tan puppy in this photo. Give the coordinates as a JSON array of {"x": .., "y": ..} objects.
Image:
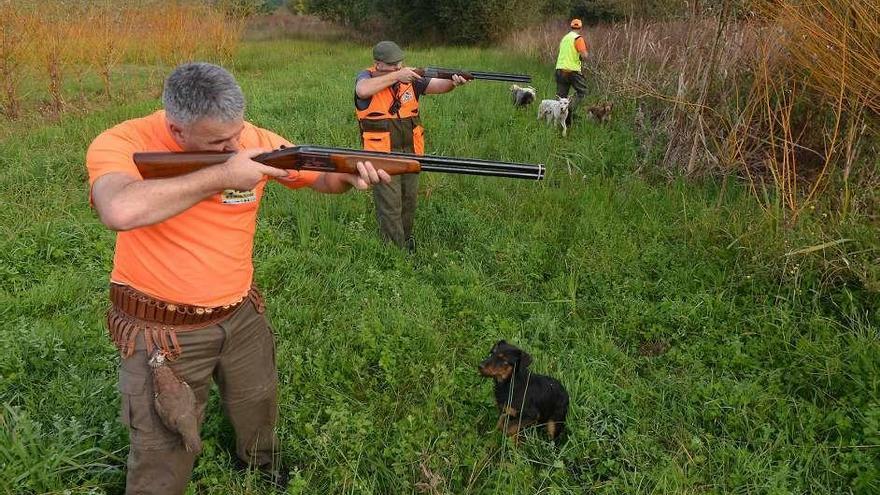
[{"x": 524, "y": 398}]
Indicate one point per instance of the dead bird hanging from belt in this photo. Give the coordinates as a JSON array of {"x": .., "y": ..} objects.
[{"x": 175, "y": 402}]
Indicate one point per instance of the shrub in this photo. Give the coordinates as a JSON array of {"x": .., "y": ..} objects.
[{"x": 455, "y": 21}]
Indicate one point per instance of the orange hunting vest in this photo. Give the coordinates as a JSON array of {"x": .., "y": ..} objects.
[{"x": 391, "y": 122}]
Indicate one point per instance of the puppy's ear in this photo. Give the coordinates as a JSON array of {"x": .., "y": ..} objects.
[
  {"x": 501, "y": 342},
  {"x": 523, "y": 360}
]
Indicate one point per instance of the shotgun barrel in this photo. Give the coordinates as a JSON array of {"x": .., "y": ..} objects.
[
  {"x": 444, "y": 73},
  {"x": 448, "y": 164}
]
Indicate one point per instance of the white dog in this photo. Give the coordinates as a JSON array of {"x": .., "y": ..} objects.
[
  {"x": 522, "y": 96},
  {"x": 555, "y": 112}
]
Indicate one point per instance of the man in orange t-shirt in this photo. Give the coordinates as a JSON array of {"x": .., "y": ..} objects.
[{"x": 182, "y": 279}]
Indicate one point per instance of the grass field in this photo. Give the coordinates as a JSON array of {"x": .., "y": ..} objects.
[{"x": 701, "y": 355}]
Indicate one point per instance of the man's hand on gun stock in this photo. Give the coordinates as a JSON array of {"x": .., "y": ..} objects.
[
  {"x": 457, "y": 80},
  {"x": 407, "y": 75},
  {"x": 241, "y": 173}
]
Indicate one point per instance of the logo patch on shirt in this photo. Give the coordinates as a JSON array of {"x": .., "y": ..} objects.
[
  {"x": 233, "y": 197},
  {"x": 408, "y": 95}
]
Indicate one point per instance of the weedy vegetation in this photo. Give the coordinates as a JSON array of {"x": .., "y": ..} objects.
[{"x": 710, "y": 343}]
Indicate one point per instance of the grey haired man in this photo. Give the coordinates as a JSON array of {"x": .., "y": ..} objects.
[{"x": 182, "y": 279}]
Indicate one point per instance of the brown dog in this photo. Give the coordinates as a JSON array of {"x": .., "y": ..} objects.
[{"x": 601, "y": 112}]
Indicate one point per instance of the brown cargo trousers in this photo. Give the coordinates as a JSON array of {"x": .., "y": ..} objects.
[{"x": 239, "y": 354}]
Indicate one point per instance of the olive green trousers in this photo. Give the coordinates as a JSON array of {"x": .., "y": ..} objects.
[{"x": 396, "y": 208}]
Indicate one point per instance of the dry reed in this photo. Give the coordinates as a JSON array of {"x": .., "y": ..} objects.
[{"x": 13, "y": 49}]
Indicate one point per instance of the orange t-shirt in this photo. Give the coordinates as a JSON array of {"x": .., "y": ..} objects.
[
  {"x": 202, "y": 256},
  {"x": 580, "y": 44}
]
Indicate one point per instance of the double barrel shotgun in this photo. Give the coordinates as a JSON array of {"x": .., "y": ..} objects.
[{"x": 155, "y": 165}]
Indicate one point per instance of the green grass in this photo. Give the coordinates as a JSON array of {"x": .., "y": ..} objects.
[{"x": 770, "y": 384}]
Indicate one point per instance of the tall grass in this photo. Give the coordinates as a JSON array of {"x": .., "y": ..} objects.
[
  {"x": 25, "y": 442},
  {"x": 785, "y": 99},
  {"x": 13, "y": 27},
  {"x": 835, "y": 50},
  {"x": 838, "y": 42}
]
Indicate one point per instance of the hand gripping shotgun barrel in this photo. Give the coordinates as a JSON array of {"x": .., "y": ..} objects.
[
  {"x": 441, "y": 73},
  {"x": 156, "y": 165}
]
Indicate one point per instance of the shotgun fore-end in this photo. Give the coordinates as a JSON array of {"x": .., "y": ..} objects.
[{"x": 392, "y": 166}]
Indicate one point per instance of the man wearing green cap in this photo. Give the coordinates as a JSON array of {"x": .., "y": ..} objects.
[
  {"x": 387, "y": 106},
  {"x": 572, "y": 52}
]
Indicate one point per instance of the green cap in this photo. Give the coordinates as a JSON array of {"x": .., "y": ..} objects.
[{"x": 388, "y": 52}]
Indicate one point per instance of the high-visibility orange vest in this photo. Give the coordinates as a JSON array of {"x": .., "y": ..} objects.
[{"x": 391, "y": 121}]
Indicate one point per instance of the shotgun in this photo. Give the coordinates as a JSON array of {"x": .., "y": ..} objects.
[
  {"x": 441, "y": 73},
  {"x": 156, "y": 165}
]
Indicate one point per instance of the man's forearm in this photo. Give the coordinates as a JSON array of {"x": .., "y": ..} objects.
[
  {"x": 366, "y": 88},
  {"x": 140, "y": 203},
  {"x": 439, "y": 86},
  {"x": 331, "y": 183}
]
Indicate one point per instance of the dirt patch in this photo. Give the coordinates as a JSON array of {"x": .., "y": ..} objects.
[{"x": 653, "y": 348}]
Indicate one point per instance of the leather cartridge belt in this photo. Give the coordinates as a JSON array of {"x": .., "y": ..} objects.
[{"x": 133, "y": 311}]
